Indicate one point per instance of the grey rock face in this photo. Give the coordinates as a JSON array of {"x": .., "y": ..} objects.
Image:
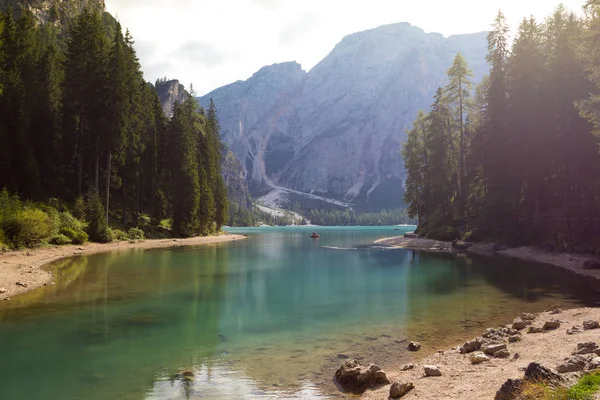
[
  {"x": 337, "y": 130},
  {"x": 169, "y": 94}
]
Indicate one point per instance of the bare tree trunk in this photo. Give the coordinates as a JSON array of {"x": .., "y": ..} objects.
[{"x": 108, "y": 184}]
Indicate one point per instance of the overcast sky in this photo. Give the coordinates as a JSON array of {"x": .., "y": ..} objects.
[{"x": 211, "y": 43}]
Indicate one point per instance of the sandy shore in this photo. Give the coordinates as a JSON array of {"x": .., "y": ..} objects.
[
  {"x": 21, "y": 271},
  {"x": 571, "y": 262},
  {"x": 462, "y": 380}
]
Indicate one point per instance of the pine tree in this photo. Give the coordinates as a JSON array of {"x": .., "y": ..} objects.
[
  {"x": 218, "y": 152},
  {"x": 458, "y": 91}
]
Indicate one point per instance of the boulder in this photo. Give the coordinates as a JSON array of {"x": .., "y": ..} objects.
[
  {"x": 411, "y": 235},
  {"x": 574, "y": 330},
  {"x": 536, "y": 372},
  {"x": 519, "y": 324},
  {"x": 504, "y": 353},
  {"x": 355, "y": 378},
  {"x": 572, "y": 364},
  {"x": 491, "y": 349},
  {"x": 407, "y": 367},
  {"x": 461, "y": 245},
  {"x": 551, "y": 324},
  {"x": 3, "y": 290},
  {"x": 399, "y": 389},
  {"x": 535, "y": 329},
  {"x": 586, "y": 348},
  {"x": 591, "y": 264},
  {"x": 509, "y": 390},
  {"x": 432, "y": 370},
  {"x": 527, "y": 317},
  {"x": 471, "y": 346},
  {"x": 594, "y": 363},
  {"x": 414, "y": 346},
  {"x": 514, "y": 338},
  {"x": 587, "y": 325},
  {"x": 478, "y": 357}
]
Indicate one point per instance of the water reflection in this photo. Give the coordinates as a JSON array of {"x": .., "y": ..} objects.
[{"x": 255, "y": 318}]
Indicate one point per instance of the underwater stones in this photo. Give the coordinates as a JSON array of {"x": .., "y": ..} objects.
[
  {"x": 551, "y": 324},
  {"x": 478, "y": 357},
  {"x": 414, "y": 346},
  {"x": 356, "y": 378},
  {"x": 343, "y": 356},
  {"x": 432, "y": 370},
  {"x": 587, "y": 325},
  {"x": 399, "y": 389}
]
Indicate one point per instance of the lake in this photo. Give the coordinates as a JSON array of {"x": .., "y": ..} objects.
[{"x": 266, "y": 317}]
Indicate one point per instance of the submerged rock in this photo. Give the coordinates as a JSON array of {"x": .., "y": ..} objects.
[
  {"x": 414, "y": 346},
  {"x": 432, "y": 370},
  {"x": 509, "y": 390},
  {"x": 399, "y": 389},
  {"x": 356, "y": 378}
]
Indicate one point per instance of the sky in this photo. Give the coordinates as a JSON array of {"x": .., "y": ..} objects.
[{"x": 210, "y": 43}]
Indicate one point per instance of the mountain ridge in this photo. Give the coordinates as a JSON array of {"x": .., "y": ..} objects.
[{"x": 337, "y": 129}]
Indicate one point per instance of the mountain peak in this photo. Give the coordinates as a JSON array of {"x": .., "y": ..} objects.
[{"x": 280, "y": 68}]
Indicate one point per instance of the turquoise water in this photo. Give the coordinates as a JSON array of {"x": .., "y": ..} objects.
[{"x": 265, "y": 317}]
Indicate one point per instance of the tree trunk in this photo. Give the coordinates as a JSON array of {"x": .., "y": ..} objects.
[
  {"x": 463, "y": 186},
  {"x": 97, "y": 180},
  {"x": 80, "y": 156},
  {"x": 108, "y": 184}
]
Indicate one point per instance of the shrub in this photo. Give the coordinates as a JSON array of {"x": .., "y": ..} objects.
[
  {"x": 136, "y": 234},
  {"x": 97, "y": 228},
  {"x": 80, "y": 238},
  {"x": 60, "y": 240},
  {"x": 72, "y": 228},
  {"x": 118, "y": 235},
  {"x": 27, "y": 227},
  {"x": 79, "y": 208}
]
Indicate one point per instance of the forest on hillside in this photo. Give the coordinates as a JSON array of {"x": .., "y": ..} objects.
[
  {"x": 84, "y": 144},
  {"x": 515, "y": 159}
]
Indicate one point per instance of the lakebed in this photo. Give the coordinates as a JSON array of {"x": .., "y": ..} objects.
[{"x": 271, "y": 316}]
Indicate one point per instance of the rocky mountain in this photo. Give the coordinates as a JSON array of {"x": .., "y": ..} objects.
[
  {"x": 57, "y": 11},
  {"x": 337, "y": 130},
  {"x": 171, "y": 92}
]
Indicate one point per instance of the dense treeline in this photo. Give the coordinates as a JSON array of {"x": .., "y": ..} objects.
[
  {"x": 243, "y": 216},
  {"x": 77, "y": 120},
  {"x": 515, "y": 159},
  {"x": 347, "y": 217}
]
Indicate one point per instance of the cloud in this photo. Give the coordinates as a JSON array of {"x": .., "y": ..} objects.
[
  {"x": 271, "y": 4},
  {"x": 299, "y": 28},
  {"x": 200, "y": 53}
]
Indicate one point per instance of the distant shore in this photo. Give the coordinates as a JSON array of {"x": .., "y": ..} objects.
[
  {"x": 22, "y": 271},
  {"x": 568, "y": 261}
]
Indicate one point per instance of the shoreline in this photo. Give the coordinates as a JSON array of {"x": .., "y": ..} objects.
[
  {"x": 568, "y": 261},
  {"x": 461, "y": 379},
  {"x": 23, "y": 271}
]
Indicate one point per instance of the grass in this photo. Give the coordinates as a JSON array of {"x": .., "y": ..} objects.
[{"x": 585, "y": 389}]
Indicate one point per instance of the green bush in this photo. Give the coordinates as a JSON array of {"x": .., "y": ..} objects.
[
  {"x": 80, "y": 238},
  {"x": 79, "y": 208},
  {"x": 97, "y": 228},
  {"x": 27, "y": 227},
  {"x": 136, "y": 234},
  {"x": 118, "y": 235},
  {"x": 60, "y": 240}
]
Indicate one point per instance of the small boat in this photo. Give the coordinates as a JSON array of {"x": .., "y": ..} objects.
[{"x": 315, "y": 235}]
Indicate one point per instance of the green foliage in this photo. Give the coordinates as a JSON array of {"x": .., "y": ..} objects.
[
  {"x": 584, "y": 389},
  {"x": 520, "y": 165},
  {"x": 97, "y": 228},
  {"x": 118, "y": 235},
  {"x": 135, "y": 234},
  {"x": 79, "y": 208},
  {"x": 26, "y": 228},
  {"x": 60, "y": 240}
]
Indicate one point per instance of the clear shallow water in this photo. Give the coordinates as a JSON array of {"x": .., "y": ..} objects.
[{"x": 261, "y": 318}]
